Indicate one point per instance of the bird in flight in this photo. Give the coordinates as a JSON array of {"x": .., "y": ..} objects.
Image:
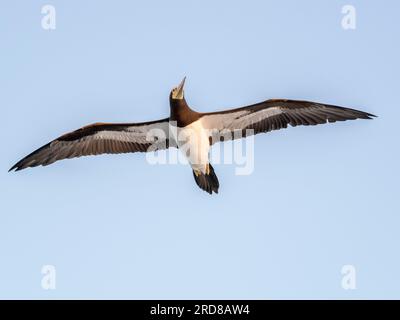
[{"x": 192, "y": 132}]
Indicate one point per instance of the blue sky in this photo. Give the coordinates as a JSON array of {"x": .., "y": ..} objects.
[{"x": 115, "y": 227}]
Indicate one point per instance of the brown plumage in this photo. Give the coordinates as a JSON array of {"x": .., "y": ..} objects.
[
  {"x": 98, "y": 138},
  {"x": 114, "y": 138},
  {"x": 291, "y": 112}
]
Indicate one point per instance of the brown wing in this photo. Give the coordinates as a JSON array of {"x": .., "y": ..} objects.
[
  {"x": 274, "y": 115},
  {"x": 100, "y": 138}
]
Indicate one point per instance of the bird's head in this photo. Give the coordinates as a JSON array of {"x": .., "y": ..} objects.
[{"x": 177, "y": 92}]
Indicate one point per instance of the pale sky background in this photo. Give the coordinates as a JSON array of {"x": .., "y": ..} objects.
[{"x": 116, "y": 227}]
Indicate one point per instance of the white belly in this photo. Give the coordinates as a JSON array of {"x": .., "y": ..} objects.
[{"x": 194, "y": 143}]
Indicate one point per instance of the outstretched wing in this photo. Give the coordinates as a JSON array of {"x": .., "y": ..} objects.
[
  {"x": 101, "y": 138},
  {"x": 274, "y": 115}
]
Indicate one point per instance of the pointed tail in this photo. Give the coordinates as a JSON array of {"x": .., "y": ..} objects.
[{"x": 207, "y": 182}]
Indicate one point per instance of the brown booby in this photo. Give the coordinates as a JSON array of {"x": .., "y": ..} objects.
[{"x": 187, "y": 129}]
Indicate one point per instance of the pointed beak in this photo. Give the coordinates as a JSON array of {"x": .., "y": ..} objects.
[{"x": 180, "y": 88}]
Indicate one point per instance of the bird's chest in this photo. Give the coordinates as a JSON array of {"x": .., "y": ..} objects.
[{"x": 193, "y": 141}]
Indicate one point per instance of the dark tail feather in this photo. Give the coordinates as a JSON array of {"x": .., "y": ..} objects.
[{"x": 207, "y": 182}]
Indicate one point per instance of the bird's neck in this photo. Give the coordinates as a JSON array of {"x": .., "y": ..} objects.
[{"x": 182, "y": 113}]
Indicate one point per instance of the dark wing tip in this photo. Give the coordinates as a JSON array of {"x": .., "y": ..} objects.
[
  {"x": 350, "y": 113},
  {"x": 26, "y": 162},
  {"x": 366, "y": 115},
  {"x": 362, "y": 114},
  {"x": 18, "y": 166}
]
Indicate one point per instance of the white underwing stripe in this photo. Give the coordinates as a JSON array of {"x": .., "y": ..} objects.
[{"x": 238, "y": 120}]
